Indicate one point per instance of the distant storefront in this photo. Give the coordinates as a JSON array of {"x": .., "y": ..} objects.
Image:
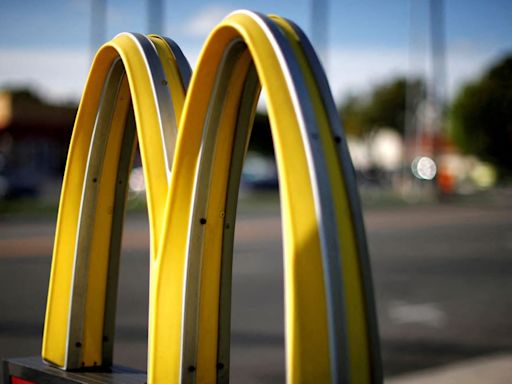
[{"x": 34, "y": 138}]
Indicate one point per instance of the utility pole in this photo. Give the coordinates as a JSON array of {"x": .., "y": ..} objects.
[
  {"x": 415, "y": 89},
  {"x": 320, "y": 29},
  {"x": 155, "y": 16},
  {"x": 438, "y": 76},
  {"x": 98, "y": 25},
  {"x": 425, "y": 110}
]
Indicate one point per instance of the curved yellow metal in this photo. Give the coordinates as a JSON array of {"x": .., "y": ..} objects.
[
  {"x": 317, "y": 226},
  {"x": 331, "y": 333},
  {"x": 358, "y": 326},
  {"x": 79, "y": 268}
]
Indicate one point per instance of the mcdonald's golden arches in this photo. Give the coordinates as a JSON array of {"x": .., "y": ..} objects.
[{"x": 193, "y": 131}]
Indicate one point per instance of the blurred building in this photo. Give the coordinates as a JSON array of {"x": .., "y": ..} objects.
[{"x": 34, "y": 137}]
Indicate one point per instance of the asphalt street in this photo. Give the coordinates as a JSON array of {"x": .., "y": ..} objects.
[{"x": 442, "y": 275}]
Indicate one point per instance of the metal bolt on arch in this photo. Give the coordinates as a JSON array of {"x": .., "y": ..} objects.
[{"x": 193, "y": 130}]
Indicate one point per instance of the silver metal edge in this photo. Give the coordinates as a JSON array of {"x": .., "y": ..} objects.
[
  {"x": 162, "y": 97},
  {"x": 168, "y": 130},
  {"x": 243, "y": 130},
  {"x": 184, "y": 68},
  {"x": 200, "y": 200},
  {"x": 354, "y": 199},
  {"x": 322, "y": 194},
  {"x": 118, "y": 214},
  {"x": 161, "y": 93},
  {"x": 87, "y": 215}
]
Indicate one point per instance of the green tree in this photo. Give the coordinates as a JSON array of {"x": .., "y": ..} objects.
[
  {"x": 482, "y": 116},
  {"x": 385, "y": 106},
  {"x": 353, "y": 115}
]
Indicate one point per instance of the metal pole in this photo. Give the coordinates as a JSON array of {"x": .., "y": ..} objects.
[
  {"x": 155, "y": 17},
  {"x": 438, "y": 79},
  {"x": 98, "y": 25},
  {"x": 320, "y": 28}
]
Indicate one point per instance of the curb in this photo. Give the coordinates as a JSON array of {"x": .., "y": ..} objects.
[{"x": 495, "y": 369}]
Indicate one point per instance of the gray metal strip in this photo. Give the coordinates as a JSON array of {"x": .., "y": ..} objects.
[
  {"x": 88, "y": 213},
  {"x": 125, "y": 163},
  {"x": 121, "y": 189},
  {"x": 328, "y": 233},
  {"x": 183, "y": 65},
  {"x": 346, "y": 164},
  {"x": 162, "y": 97},
  {"x": 168, "y": 129},
  {"x": 198, "y": 217},
  {"x": 243, "y": 130},
  {"x": 323, "y": 201}
]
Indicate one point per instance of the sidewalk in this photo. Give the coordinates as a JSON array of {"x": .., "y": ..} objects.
[{"x": 495, "y": 369}]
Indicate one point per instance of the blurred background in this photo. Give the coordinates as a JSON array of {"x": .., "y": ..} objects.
[{"x": 424, "y": 91}]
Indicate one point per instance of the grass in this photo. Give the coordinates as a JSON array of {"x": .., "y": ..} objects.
[{"x": 28, "y": 207}]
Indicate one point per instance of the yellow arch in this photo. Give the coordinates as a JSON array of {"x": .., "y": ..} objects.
[
  {"x": 125, "y": 70},
  {"x": 319, "y": 233},
  {"x": 331, "y": 333}
]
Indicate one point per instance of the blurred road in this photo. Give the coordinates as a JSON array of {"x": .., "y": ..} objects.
[{"x": 442, "y": 273}]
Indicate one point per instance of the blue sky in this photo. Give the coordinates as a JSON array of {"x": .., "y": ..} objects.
[{"x": 46, "y": 44}]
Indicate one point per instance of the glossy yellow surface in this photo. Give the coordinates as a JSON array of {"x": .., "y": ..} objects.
[
  {"x": 138, "y": 86},
  {"x": 186, "y": 206},
  {"x": 306, "y": 323},
  {"x": 356, "y": 317}
]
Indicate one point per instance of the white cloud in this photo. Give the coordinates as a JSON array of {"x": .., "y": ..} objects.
[
  {"x": 357, "y": 70},
  {"x": 468, "y": 62},
  {"x": 205, "y": 19},
  {"x": 60, "y": 74},
  {"x": 57, "y": 75}
]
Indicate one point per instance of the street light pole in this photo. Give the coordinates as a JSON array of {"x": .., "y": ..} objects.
[
  {"x": 438, "y": 78},
  {"x": 320, "y": 29},
  {"x": 98, "y": 25},
  {"x": 155, "y": 16}
]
